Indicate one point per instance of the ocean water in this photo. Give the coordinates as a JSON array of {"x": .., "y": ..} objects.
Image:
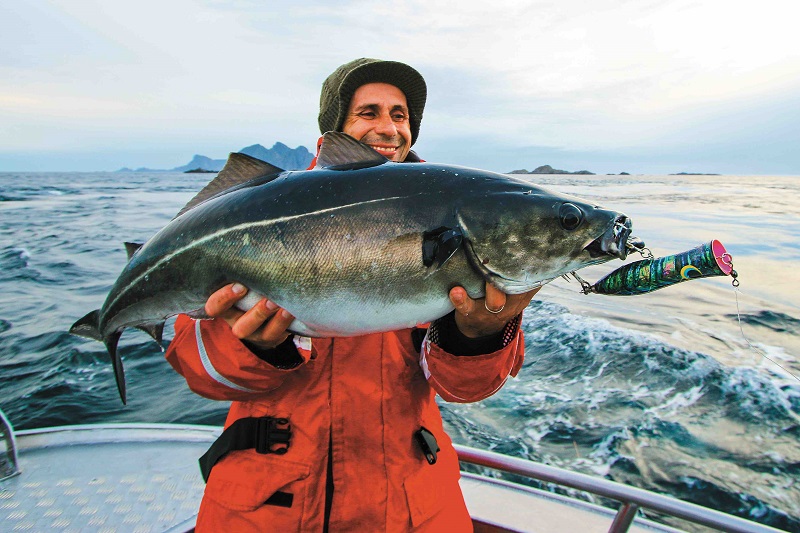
[{"x": 690, "y": 391}]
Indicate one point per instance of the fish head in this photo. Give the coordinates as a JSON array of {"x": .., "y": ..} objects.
[{"x": 520, "y": 240}]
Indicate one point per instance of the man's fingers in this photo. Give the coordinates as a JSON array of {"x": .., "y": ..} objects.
[
  {"x": 275, "y": 332},
  {"x": 461, "y": 301},
  {"x": 495, "y": 299},
  {"x": 488, "y": 315},
  {"x": 225, "y": 298},
  {"x": 252, "y": 320},
  {"x": 265, "y": 323}
]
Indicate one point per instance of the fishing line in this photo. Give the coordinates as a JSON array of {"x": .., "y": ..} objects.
[
  {"x": 728, "y": 260},
  {"x": 736, "y": 292}
]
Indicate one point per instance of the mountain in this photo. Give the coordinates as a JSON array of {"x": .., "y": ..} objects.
[
  {"x": 202, "y": 162},
  {"x": 547, "y": 169},
  {"x": 279, "y": 155}
]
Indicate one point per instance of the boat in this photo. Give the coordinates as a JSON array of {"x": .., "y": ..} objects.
[{"x": 145, "y": 477}]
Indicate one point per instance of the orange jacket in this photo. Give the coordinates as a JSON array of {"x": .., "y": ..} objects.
[{"x": 362, "y": 398}]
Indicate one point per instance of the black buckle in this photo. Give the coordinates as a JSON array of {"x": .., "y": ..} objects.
[
  {"x": 265, "y": 434},
  {"x": 427, "y": 443},
  {"x": 272, "y": 435}
]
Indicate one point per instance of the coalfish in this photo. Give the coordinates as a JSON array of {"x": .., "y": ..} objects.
[{"x": 357, "y": 245}]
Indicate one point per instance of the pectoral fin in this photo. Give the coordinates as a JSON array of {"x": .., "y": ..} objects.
[{"x": 439, "y": 245}]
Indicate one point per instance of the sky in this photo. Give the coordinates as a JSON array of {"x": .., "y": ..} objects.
[{"x": 638, "y": 86}]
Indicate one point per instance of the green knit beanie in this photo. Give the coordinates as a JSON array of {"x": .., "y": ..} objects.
[{"x": 339, "y": 87}]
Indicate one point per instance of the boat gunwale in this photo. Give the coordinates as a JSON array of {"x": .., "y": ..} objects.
[
  {"x": 631, "y": 498},
  {"x": 108, "y": 433}
]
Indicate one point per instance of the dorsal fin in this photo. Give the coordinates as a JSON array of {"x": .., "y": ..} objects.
[
  {"x": 132, "y": 247},
  {"x": 239, "y": 169},
  {"x": 339, "y": 151}
]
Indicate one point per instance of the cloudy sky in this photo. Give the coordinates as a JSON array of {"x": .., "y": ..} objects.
[{"x": 639, "y": 86}]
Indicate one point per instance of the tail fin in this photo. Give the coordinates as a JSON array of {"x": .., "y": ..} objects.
[
  {"x": 89, "y": 327},
  {"x": 116, "y": 361}
]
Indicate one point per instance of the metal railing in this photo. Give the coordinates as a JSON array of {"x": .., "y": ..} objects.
[
  {"x": 8, "y": 449},
  {"x": 631, "y": 498}
]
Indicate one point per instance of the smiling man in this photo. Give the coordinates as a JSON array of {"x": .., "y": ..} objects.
[
  {"x": 380, "y": 103},
  {"x": 344, "y": 434}
]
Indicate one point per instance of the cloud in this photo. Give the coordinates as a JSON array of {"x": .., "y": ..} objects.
[{"x": 576, "y": 77}]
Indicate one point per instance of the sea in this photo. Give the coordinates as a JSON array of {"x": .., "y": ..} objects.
[{"x": 691, "y": 391}]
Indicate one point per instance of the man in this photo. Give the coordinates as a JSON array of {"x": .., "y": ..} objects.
[{"x": 344, "y": 434}]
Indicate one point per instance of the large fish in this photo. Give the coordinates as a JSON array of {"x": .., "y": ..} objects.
[{"x": 357, "y": 245}]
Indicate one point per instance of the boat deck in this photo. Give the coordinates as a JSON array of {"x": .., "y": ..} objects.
[
  {"x": 128, "y": 478},
  {"x": 145, "y": 477}
]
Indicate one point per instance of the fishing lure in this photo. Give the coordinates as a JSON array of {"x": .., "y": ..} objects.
[{"x": 650, "y": 274}]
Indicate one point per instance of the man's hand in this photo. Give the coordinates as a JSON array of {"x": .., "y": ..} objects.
[
  {"x": 264, "y": 325},
  {"x": 473, "y": 317}
]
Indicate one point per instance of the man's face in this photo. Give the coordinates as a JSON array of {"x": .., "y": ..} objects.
[{"x": 378, "y": 116}]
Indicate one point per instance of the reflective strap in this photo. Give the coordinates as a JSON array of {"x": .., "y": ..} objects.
[
  {"x": 423, "y": 361},
  {"x": 209, "y": 368},
  {"x": 302, "y": 343}
]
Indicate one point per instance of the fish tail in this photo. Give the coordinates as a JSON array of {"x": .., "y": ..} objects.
[
  {"x": 89, "y": 327},
  {"x": 116, "y": 361}
]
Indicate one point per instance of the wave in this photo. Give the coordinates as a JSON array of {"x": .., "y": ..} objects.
[
  {"x": 628, "y": 406},
  {"x": 776, "y": 321}
]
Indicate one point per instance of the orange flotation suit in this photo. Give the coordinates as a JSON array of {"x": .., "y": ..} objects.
[{"x": 355, "y": 406}]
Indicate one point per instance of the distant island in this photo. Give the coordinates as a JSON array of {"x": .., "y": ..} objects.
[
  {"x": 547, "y": 169},
  {"x": 693, "y": 174},
  {"x": 199, "y": 171},
  {"x": 279, "y": 155}
]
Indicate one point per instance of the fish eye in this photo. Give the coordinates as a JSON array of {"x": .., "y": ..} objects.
[{"x": 571, "y": 216}]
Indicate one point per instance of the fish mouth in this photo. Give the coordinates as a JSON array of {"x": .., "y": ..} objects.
[{"x": 616, "y": 241}]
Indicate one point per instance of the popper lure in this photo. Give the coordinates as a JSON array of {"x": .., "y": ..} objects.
[{"x": 650, "y": 274}]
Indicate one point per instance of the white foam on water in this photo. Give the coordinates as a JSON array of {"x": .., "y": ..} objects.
[
  {"x": 754, "y": 393},
  {"x": 677, "y": 403}
]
